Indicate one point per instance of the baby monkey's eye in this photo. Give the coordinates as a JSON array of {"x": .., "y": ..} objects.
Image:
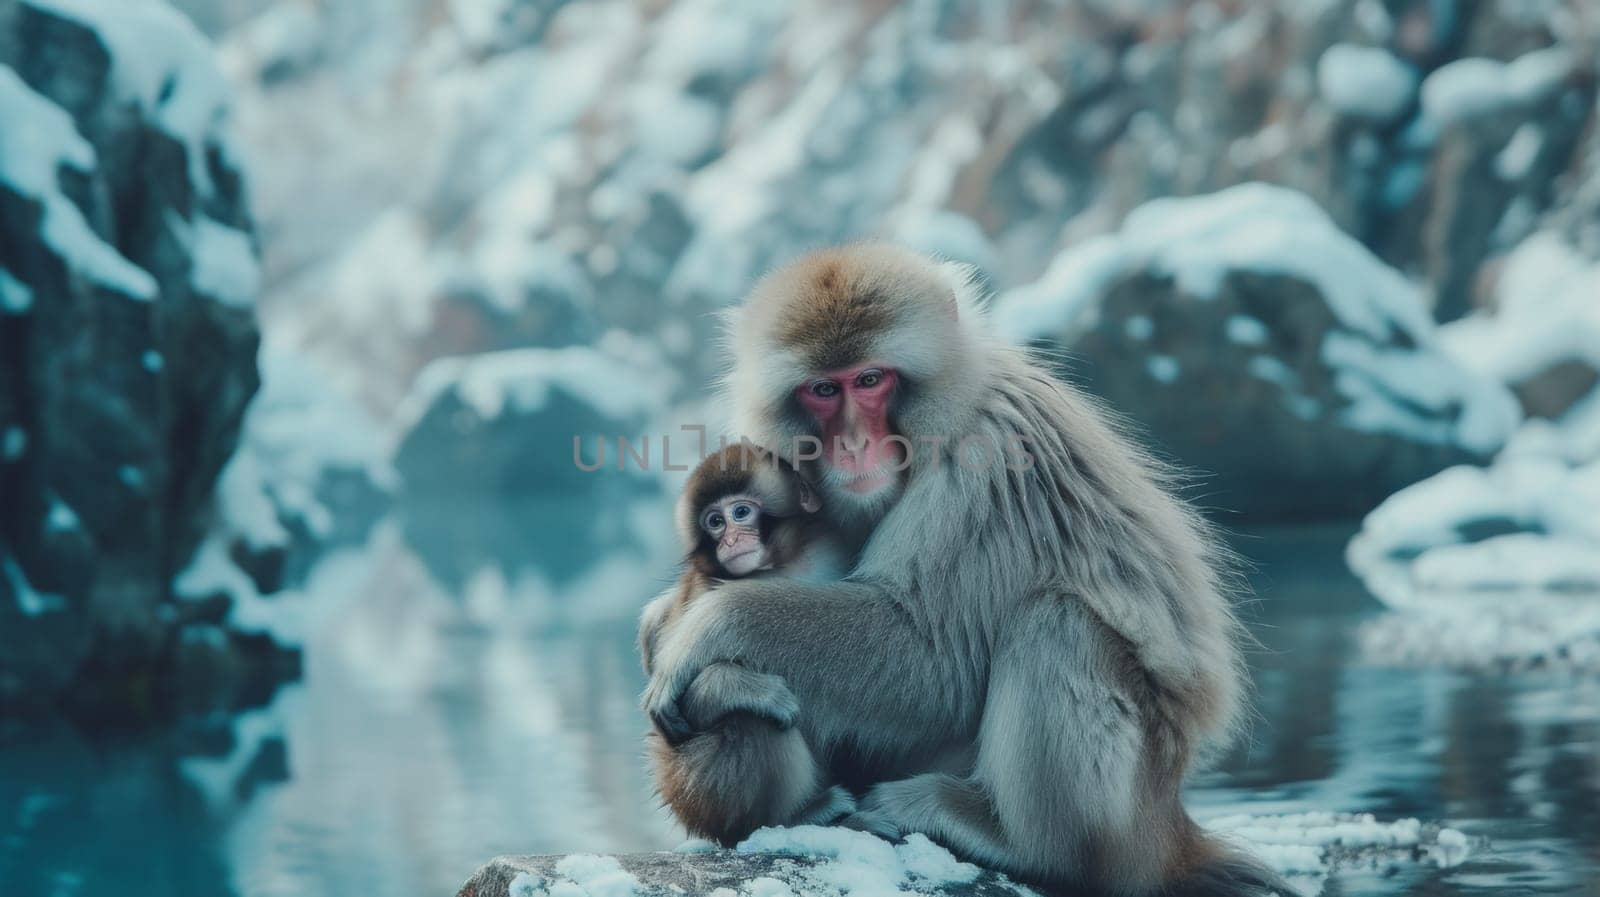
[
  {"x": 742, "y": 511},
  {"x": 714, "y": 522}
]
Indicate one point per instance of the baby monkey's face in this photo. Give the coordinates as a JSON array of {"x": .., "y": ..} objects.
[{"x": 734, "y": 523}]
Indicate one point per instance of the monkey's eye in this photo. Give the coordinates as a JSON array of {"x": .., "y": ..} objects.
[
  {"x": 869, "y": 378},
  {"x": 742, "y": 512},
  {"x": 824, "y": 389},
  {"x": 714, "y": 522}
]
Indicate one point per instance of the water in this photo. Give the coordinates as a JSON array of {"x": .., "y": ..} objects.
[{"x": 458, "y": 704}]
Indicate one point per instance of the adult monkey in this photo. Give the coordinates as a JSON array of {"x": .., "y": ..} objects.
[{"x": 1027, "y": 656}]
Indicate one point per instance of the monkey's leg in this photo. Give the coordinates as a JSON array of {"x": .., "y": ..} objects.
[
  {"x": 954, "y": 811},
  {"x": 829, "y": 807},
  {"x": 863, "y": 665},
  {"x": 1063, "y": 752}
]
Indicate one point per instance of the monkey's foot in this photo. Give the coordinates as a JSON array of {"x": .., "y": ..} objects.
[
  {"x": 873, "y": 822},
  {"x": 830, "y": 807}
]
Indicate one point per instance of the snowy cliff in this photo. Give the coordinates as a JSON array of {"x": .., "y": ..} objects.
[{"x": 128, "y": 342}]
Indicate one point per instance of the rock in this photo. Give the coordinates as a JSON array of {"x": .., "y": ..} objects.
[
  {"x": 1540, "y": 335},
  {"x": 128, "y": 276},
  {"x": 528, "y": 421},
  {"x": 831, "y": 862},
  {"x": 1299, "y": 376},
  {"x": 685, "y": 874}
]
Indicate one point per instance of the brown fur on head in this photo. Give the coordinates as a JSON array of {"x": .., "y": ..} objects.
[
  {"x": 865, "y": 303},
  {"x": 787, "y": 502}
]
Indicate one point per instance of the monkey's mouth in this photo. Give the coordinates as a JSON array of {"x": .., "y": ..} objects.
[
  {"x": 868, "y": 481},
  {"x": 744, "y": 562}
]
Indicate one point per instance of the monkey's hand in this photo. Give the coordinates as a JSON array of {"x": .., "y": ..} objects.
[
  {"x": 681, "y": 654},
  {"x": 726, "y": 688}
]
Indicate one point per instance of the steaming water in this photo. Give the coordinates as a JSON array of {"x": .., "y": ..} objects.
[{"x": 460, "y": 702}]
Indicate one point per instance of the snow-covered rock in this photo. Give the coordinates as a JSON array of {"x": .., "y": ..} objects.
[
  {"x": 1541, "y": 337},
  {"x": 1495, "y": 565},
  {"x": 839, "y": 862},
  {"x": 1368, "y": 82},
  {"x": 1302, "y": 376},
  {"x": 529, "y": 421},
  {"x": 128, "y": 278}
]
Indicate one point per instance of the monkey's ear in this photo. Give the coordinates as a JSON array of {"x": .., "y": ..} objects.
[{"x": 809, "y": 502}]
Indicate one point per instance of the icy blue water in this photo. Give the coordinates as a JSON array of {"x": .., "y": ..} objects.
[{"x": 459, "y": 703}]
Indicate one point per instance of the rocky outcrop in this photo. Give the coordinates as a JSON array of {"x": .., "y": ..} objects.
[
  {"x": 127, "y": 357},
  {"x": 533, "y": 421},
  {"x": 1259, "y": 345}
]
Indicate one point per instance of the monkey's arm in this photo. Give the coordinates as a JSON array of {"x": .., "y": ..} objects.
[
  {"x": 858, "y": 662},
  {"x": 652, "y": 620}
]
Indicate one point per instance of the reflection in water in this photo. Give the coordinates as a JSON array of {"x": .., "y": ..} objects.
[{"x": 456, "y": 706}]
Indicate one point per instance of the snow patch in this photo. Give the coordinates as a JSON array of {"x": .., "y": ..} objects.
[
  {"x": 1365, "y": 82},
  {"x": 164, "y": 65},
  {"x": 1468, "y": 88},
  {"x": 859, "y": 863},
  {"x": 617, "y": 377},
  {"x": 224, "y": 261},
  {"x": 30, "y": 159},
  {"x": 1417, "y": 551},
  {"x": 16, "y": 297},
  {"x": 32, "y": 603}
]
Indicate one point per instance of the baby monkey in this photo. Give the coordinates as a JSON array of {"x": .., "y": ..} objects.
[{"x": 744, "y": 512}]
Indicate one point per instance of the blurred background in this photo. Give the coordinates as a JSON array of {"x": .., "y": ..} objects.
[{"x": 301, "y": 304}]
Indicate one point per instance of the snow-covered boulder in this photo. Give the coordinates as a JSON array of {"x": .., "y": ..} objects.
[
  {"x": 1489, "y": 566},
  {"x": 1259, "y": 344},
  {"x": 128, "y": 278},
  {"x": 1541, "y": 337},
  {"x": 529, "y": 421}
]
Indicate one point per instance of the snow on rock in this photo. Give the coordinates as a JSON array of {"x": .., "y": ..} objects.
[
  {"x": 1489, "y": 566},
  {"x": 1541, "y": 337},
  {"x": 31, "y": 159},
  {"x": 311, "y": 472},
  {"x": 1468, "y": 88},
  {"x": 839, "y": 862},
  {"x": 851, "y": 862},
  {"x": 162, "y": 64},
  {"x": 1296, "y": 333},
  {"x": 809, "y": 861},
  {"x": 514, "y": 420},
  {"x": 117, "y": 183},
  {"x": 1367, "y": 82}
]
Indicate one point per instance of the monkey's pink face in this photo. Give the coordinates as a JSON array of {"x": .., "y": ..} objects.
[
  {"x": 852, "y": 409},
  {"x": 735, "y": 523}
]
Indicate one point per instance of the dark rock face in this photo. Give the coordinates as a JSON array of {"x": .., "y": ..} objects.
[
  {"x": 1258, "y": 345},
  {"x": 121, "y": 396},
  {"x": 1256, "y": 458}
]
